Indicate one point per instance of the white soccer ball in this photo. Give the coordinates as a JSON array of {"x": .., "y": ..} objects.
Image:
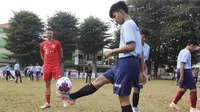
[{"x": 64, "y": 85}]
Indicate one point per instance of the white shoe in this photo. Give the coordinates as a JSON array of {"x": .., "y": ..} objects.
[
  {"x": 135, "y": 109},
  {"x": 46, "y": 105},
  {"x": 194, "y": 110},
  {"x": 173, "y": 105},
  {"x": 198, "y": 99},
  {"x": 65, "y": 104}
]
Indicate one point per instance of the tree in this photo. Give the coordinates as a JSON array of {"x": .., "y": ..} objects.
[
  {"x": 65, "y": 29},
  {"x": 116, "y": 40},
  {"x": 23, "y": 37},
  {"x": 151, "y": 14},
  {"x": 115, "y": 44},
  {"x": 93, "y": 37},
  {"x": 171, "y": 22},
  {"x": 182, "y": 25}
]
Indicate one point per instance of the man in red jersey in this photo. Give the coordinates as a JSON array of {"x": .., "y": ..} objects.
[{"x": 51, "y": 53}]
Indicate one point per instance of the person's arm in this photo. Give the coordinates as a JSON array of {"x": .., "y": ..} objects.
[
  {"x": 60, "y": 51},
  {"x": 182, "y": 67},
  {"x": 41, "y": 51},
  {"x": 129, "y": 36},
  {"x": 183, "y": 59},
  {"x": 142, "y": 65}
]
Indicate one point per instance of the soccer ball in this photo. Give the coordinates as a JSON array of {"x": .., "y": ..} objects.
[{"x": 64, "y": 85}]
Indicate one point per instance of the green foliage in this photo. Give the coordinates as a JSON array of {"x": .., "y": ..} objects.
[
  {"x": 171, "y": 22},
  {"x": 23, "y": 37},
  {"x": 93, "y": 35},
  {"x": 116, "y": 40},
  {"x": 65, "y": 29}
]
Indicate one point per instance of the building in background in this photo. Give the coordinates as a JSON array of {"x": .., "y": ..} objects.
[{"x": 3, "y": 51}]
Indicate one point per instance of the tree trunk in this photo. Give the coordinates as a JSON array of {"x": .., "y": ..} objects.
[
  {"x": 94, "y": 63},
  {"x": 84, "y": 63}
]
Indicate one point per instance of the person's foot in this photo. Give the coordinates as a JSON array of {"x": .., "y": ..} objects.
[
  {"x": 135, "y": 109},
  {"x": 65, "y": 104},
  {"x": 66, "y": 98},
  {"x": 173, "y": 105},
  {"x": 46, "y": 105},
  {"x": 194, "y": 110},
  {"x": 15, "y": 81}
]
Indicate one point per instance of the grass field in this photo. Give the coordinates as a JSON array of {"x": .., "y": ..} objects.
[{"x": 29, "y": 96}]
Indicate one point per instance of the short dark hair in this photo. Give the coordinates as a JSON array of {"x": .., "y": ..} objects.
[
  {"x": 192, "y": 42},
  {"x": 145, "y": 31},
  {"x": 117, "y": 6},
  {"x": 49, "y": 29}
]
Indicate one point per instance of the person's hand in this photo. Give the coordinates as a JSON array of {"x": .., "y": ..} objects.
[
  {"x": 143, "y": 78},
  {"x": 107, "y": 54},
  {"x": 181, "y": 79}
]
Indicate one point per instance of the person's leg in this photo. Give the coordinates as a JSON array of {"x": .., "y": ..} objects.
[
  {"x": 125, "y": 104},
  {"x": 11, "y": 75},
  {"x": 37, "y": 76},
  {"x": 86, "y": 79},
  {"x": 47, "y": 78},
  {"x": 193, "y": 98},
  {"x": 183, "y": 88},
  {"x": 32, "y": 78},
  {"x": 7, "y": 75},
  {"x": 29, "y": 75},
  {"x": 16, "y": 75},
  {"x": 20, "y": 78},
  {"x": 90, "y": 78},
  {"x": 136, "y": 96},
  {"x": 124, "y": 82},
  {"x": 179, "y": 95},
  {"x": 48, "y": 91},
  {"x": 16, "y": 81},
  {"x": 195, "y": 78},
  {"x": 88, "y": 89}
]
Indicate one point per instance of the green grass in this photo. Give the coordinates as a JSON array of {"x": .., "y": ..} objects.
[{"x": 29, "y": 96}]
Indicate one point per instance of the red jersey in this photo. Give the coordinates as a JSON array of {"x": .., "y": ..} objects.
[{"x": 51, "y": 51}]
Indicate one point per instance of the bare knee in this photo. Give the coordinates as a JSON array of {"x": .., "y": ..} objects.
[
  {"x": 100, "y": 81},
  {"x": 195, "y": 90},
  {"x": 48, "y": 84},
  {"x": 136, "y": 90},
  {"x": 124, "y": 100},
  {"x": 183, "y": 89}
]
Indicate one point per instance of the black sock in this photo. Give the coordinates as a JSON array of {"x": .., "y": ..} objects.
[
  {"x": 86, "y": 90},
  {"x": 135, "y": 99},
  {"x": 127, "y": 108}
]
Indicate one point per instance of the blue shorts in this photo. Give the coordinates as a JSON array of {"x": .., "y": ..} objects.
[
  {"x": 37, "y": 73},
  {"x": 124, "y": 75},
  {"x": 17, "y": 73},
  {"x": 188, "y": 82}
]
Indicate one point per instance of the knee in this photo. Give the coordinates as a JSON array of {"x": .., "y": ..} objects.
[
  {"x": 136, "y": 90},
  {"x": 195, "y": 90},
  {"x": 48, "y": 84},
  {"x": 184, "y": 90},
  {"x": 100, "y": 81},
  {"x": 124, "y": 100}
]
